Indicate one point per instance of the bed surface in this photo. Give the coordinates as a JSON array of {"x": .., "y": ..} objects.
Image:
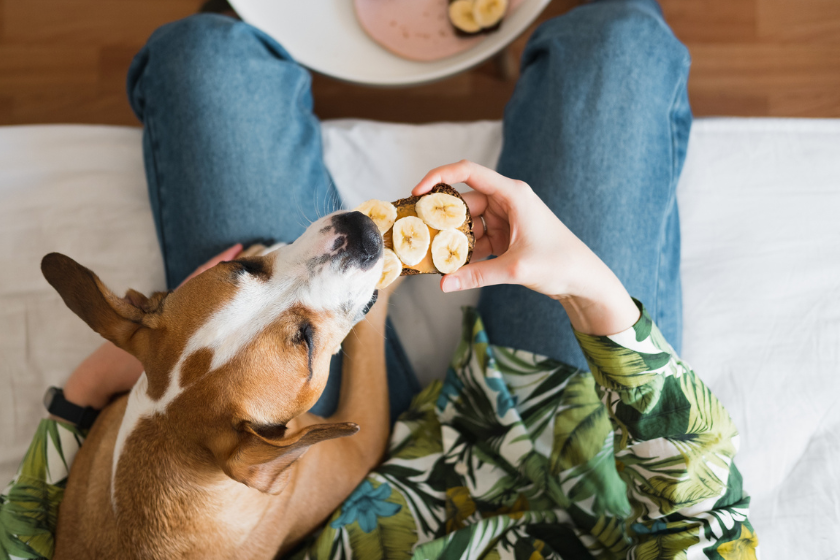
[{"x": 759, "y": 202}]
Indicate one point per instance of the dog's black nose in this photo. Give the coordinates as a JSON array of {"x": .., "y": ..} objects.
[{"x": 363, "y": 242}]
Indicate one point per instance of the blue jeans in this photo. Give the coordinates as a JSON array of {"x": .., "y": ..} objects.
[{"x": 598, "y": 126}]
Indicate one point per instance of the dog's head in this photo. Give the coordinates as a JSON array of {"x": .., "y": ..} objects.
[{"x": 241, "y": 349}]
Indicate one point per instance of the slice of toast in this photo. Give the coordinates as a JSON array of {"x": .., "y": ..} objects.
[{"x": 405, "y": 207}]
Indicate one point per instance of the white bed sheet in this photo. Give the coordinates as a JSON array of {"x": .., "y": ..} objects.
[{"x": 759, "y": 200}]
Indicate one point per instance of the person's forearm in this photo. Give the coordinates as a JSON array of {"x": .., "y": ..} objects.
[
  {"x": 600, "y": 306},
  {"x": 109, "y": 370}
]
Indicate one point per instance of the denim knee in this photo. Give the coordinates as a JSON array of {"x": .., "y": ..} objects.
[
  {"x": 194, "y": 55},
  {"x": 613, "y": 37}
]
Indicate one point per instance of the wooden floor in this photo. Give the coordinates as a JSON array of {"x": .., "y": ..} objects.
[{"x": 64, "y": 61}]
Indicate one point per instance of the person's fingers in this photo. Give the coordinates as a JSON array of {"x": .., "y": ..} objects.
[
  {"x": 476, "y": 176},
  {"x": 452, "y": 173},
  {"x": 253, "y": 250},
  {"x": 476, "y": 202},
  {"x": 497, "y": 230},
  {"x": 478, "y": 228},
  {"x": 476, "y": 275},
  {"x": 482, "y": 249},
  {"x": 226, "y": 255}
]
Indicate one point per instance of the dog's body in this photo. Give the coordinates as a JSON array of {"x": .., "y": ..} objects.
[{"x": 205, "y": 457}]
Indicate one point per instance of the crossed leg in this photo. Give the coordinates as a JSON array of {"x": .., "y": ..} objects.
[
  {"x": 598, "y": 126},
  {"x": 233, "y": 154}
]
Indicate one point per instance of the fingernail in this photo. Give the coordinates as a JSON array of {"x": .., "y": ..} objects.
[{"x": 452, "y": 285}]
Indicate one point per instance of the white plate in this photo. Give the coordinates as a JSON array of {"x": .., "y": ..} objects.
[{"x": 325, "y": 36}]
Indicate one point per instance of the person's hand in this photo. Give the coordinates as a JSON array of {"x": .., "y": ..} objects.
[
  {"x": 227, "y": 255},
  {"x": 534, "y": 249},
  {"x": 111, "y": 370}
]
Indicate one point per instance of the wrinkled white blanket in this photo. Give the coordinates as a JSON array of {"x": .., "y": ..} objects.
[{"x": 759, "y": 201}]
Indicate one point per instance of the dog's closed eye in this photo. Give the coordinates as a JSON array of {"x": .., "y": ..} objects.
[
  {"x": 270, "y": 431},
  {"x": 306, "y": 335}
]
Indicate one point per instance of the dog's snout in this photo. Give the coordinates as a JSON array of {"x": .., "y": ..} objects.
[
  {"x": 371, "y": 242},
  {"x": 362, "y": 237},
  {"x": 354, "y": 222}
]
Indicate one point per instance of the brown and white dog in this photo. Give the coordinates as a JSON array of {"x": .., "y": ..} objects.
[{"x": 205, "y": 456}]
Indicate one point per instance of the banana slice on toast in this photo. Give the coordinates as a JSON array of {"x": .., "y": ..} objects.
[
  {"x": 391, "y": 269},
  {"x": 449, "y": 250},
  {"x": 382, "y": 213},
  {"x": 419, "y": 221}
]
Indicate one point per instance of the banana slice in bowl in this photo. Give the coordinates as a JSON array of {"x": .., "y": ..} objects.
[
  {"x": 462, "y": 18},
  {"x": 488, "y": 14},
  {"x": 471, "y": 17}
]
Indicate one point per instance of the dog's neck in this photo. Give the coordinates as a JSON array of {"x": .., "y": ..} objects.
[
  {"x": 169, "y": 495},
  {"x": 140, "y": 405}
]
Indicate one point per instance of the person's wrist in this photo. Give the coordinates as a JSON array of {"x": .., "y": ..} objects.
[
  {"x": 603, "y": 314},
  {"x": 596, "y": 301},
  {"x": 82, "y": 393},
  {"x": 105, "y": 373},
  {"x": 582, "y": 271}
]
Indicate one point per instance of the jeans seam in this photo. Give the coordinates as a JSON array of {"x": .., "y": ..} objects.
[
  {"x": 153, "y": 148},
  {"x": 673, "y": 192}
]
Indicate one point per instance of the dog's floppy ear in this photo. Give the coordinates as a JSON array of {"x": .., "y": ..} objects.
[
  {"x": 263, "y": 454},
  {"x": 115, "y": 318}
]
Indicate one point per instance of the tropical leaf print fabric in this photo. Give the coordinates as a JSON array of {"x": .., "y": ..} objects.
[
  {"x": 29, "y": 505},
  {"x": 518, "y": 456},
  {"x": 514, "y": 456}
]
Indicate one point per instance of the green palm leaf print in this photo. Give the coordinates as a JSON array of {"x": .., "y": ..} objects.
[
  {"x": 28, "y": 517},
  {"x": 667, "y": 547},
  {"x": 692, "y": 473},
  {"x": 580, "y": 426},
  {"x": 616, "y": 367},
  {"x": 596, "y": 486},
  {"x": 423, "y": 425},
  {"x": 707, "y": 449}
]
